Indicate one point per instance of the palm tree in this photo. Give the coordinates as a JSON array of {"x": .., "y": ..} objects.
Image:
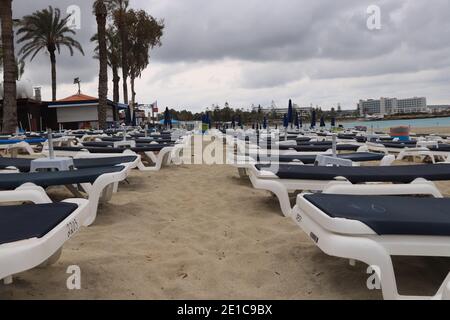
[
  {"x": 144, "y": 33},
  {"x": 119, "y": 8},
  {"x": 9, "y": 68},
  {"x": 47, "y": 30},
  {"x": 114, "y": 57},
  {"x": 101, "y": 14}
]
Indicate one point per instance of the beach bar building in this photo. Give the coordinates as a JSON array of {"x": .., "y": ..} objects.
[{"x": 81, "y": 112}]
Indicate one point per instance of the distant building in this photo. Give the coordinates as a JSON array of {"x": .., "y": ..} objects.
[
  {"x": 32, "y": 113},
  {"x": 81, "y": 112},
  {"x": 438, "y": 108},
  {"x": 389, "y": 106}
]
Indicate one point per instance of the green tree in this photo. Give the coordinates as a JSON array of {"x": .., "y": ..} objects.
[
  {"x": 144, "y": 33},
  {"x": 46, "y": 30},
  {"x": 114, "y": 57}
]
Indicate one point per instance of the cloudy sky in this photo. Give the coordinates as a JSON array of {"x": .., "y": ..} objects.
[{"x": 254, "y": 51}]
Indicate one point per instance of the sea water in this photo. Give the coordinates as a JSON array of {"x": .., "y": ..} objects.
[{"x": 414, "y": 123}]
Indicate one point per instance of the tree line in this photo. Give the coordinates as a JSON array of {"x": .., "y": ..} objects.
[{"x": 247, "y": 117}]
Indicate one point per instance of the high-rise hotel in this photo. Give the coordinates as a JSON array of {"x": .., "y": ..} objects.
[{"x": 388, "y": 106}]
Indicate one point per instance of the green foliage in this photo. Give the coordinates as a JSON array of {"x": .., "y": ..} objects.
[
  {"x": 46, "y": 30},
  {"x": 144, "y": 33}
]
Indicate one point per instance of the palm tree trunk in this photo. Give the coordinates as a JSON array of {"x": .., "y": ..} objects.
[
  {"x": 133, "y": 94},
  {"x": 116, "y": 80},
  {"x": 133, "y": 97},
  {"x": 101, "y": 13},
  {"x": 9, "y": 68},
  {"x": 53, "y": 63},
  {"x": 124, "y": 44}
]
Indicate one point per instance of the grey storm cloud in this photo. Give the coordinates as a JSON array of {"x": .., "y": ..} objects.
[
  {"x": 296, "y": 29},
  {"x": 277, "y": 43}
]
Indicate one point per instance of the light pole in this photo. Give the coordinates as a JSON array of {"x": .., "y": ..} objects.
[{"x": 77, "y": 81}]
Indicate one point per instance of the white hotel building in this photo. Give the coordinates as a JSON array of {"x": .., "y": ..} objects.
[{"x": 388, "y": 106}]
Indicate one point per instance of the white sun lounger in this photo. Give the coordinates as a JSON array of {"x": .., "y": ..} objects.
[
  {"x": 291, "y": 179},
  {"x": 34, "y": 234},
  {"x": 372, "y": 229},
  {"x": 244, "y": 163},
  {"x": 98, "y": 183}
]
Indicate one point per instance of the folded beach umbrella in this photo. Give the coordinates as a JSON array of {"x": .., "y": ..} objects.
[
  {"x": 297, "y": 121},
  {"x": 285, "y": 121},
  {"x": 290, "y": 114},
  {"x": 322, "y": 122},
  {"x": 265, "y": 123},
  {"x": 233, "y": 122},
  {"x": 128, "y": 116},
  {"x": 333, "y": 122},
  {"x": 313, "y": 119},
  {"x": 240, "y": 122},
  {"x": 133, "y": 119},
  {"x": 167, "y": 119},
  {"x": 300, "y": 120}
]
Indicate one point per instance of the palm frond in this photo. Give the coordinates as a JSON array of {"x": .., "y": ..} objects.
[{"x": 47, "y": 30}]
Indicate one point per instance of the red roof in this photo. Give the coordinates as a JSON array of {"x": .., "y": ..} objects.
[{"x": 77, "y": 98}]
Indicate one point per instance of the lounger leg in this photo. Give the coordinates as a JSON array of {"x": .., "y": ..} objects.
[
  {"x": 242, "y": 173},
  {"x": 107, "y": 193},
  {"x": 365, "y": 250},
  {"x": 276, "y": 188},
  {"x": 52, "y": 260},
  {"x": 387, "y": 276}
]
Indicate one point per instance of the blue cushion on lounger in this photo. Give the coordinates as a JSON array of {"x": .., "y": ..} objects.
[
  {"x": 147, "y": 148},
  {"x": 399, "y": 174},
  {"x": 11, "y": 181},
  {"x": 320, "y": 147},
  {"x": 31, "y": 221},
  {"x": 311, "y": 159},
  {"x": 24, "y": 164},
  {"x": 389, "y": 215}
]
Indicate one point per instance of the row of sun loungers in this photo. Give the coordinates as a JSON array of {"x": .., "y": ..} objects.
[
  {"x": 33, "y": 234},
  {"x": 360, "y": 213}
]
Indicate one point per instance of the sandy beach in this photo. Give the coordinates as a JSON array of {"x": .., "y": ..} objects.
[{"x": 200, "y": 232}]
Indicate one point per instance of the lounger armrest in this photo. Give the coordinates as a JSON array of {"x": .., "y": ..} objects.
[
  {"x": 418, "y": 187},
  {"x": 262, "y": 173},
  {"x": 28, "y": 193},
  {"x": 387, "y": 161}
]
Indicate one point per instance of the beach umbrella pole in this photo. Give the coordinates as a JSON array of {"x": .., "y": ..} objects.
[
  {"x": 334, "y": 146},
  {"x": 51, "y": 151}
]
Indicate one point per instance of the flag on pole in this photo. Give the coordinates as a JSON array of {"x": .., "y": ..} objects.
[{"x": 154, "y": 106}]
